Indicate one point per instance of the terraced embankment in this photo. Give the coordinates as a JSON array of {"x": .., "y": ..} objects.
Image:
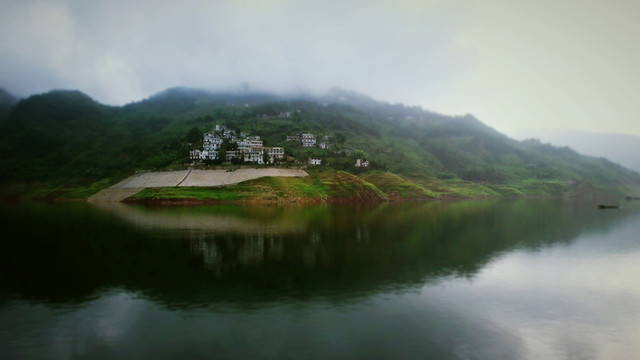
[{"x": 187, "y": 178}]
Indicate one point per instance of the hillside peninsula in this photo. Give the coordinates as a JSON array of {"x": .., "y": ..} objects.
[{"x": 64, "y": 145}]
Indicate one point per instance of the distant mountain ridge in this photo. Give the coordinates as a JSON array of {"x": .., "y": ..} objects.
[
  {"x": 67, "y": 137},
  {"x": 623, "y": 149},
  {"x": 7, "y": 100}
]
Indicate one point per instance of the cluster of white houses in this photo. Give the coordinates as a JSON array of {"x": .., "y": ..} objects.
[
  {"x": 249, "y": 149},
  {"x": 309, "y": 140}
]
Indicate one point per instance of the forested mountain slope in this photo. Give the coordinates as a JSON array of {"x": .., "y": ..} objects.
[
  {"x": 65, "y": 137},
  {"x": 7, "y": 100}
]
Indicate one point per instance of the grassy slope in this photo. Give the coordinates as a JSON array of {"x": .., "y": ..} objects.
[
  {"x": 330, "y": 185},
  {"x": 321, "y": 185},
  {"x": 397, "y": 187}
]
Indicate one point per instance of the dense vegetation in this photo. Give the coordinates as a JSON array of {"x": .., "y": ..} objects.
[
  {"x": 63, "y": 140},
  {"x": 6, "y": 102}
]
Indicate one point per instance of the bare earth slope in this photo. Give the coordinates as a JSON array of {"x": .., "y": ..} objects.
[
  {"x": 153, "y": 179},
  {"x": 223, "y": 177},
  {"x": 197, "y": 178},
  {"x": 112, "y": 195}
]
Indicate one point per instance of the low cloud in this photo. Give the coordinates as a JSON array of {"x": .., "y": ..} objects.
[{"x": 511, "y": 65}]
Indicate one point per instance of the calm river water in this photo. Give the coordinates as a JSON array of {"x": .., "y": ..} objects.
[{"x": 516, "y": 279}]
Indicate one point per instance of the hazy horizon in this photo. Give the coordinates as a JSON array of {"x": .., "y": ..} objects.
[
  {"x": 512, "y": 65},
  {"x": 619, "y": 148}
]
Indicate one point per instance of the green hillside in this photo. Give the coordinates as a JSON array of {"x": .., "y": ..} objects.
[
  {"x": 63, "y": 140},
  {"x": 7, "y": 100}
]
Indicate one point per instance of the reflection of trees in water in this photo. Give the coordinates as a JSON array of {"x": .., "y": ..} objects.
[
  {"x": 218, "y": 219},
  {"x": 70, "y": 251},
  {"x": 408, "y": 242},
  {"x": 222, "y": 253}
]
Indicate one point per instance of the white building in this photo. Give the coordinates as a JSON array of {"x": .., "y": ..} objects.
[
  {"x": 274, "y": 153},
  {"x": 254, "y": 143},
  {"x": 203, "y": 155},
  {"x": 255, "y": 156},
  {"x": 362, "y": 163},
  {"x": 195, "y": 154},
  {"x": 308, "y": 140},
  {"x": 244, "y": 149},
  {"x": 249, "y": 149},
  {"x": 211, "y": 155},
  {"x": 211, "y": 142},
  {"x": 314, "y": 162},
  {"x": 232, "y": 154},
  {"x": 228, "y": 134}
]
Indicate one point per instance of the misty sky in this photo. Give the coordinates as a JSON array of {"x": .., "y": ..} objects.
[{"x": 513, "y": 64}]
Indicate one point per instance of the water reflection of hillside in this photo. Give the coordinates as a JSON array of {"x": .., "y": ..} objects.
[
  {"x": 173, "y": 218},
  {"x": 223, "y": 256},
  {"x": 194, "y": 256}
]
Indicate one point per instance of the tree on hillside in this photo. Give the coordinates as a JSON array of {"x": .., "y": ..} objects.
[{"x": 194, "y": 135}]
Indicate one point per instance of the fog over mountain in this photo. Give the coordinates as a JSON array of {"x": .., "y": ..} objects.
[
  {"x": 512, "y": 64},
  {"x": 620, "y": 148},
  {"x": 410, "y": 150}
]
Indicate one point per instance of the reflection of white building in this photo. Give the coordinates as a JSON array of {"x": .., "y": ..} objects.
[
  {"x": 362, "y": 233},
  {"x": 251, "y": 251}
]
